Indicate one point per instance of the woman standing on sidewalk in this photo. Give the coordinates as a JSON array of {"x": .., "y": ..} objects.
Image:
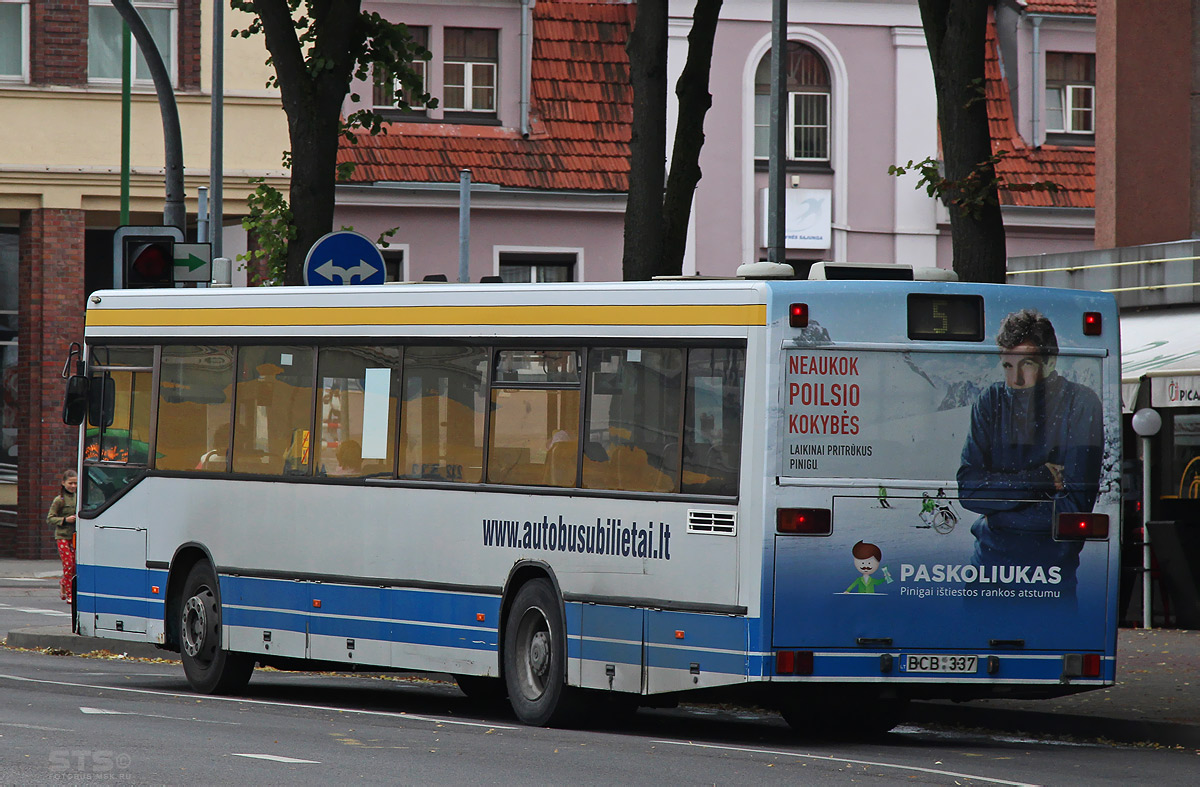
[{"x": 62, "y": 519}]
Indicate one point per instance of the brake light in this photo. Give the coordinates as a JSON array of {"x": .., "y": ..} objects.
[
  {"x": 1091, "y": 665},
  {"x": 804, "y": 521},
  {"x": 798, "y": 315},
  {"x": 1093, "y": 323},
  {"x": 785, "y": 662},
  {"x": 1078, "y": 527}
]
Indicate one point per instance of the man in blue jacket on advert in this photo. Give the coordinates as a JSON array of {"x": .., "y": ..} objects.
[{"x": 1034, "y": 451}]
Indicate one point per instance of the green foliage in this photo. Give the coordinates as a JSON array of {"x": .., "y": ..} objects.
[
  {"x": 270, "y": 222},
  {"x": 972, "y": 193}
]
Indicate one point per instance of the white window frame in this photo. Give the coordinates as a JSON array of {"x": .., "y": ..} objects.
[
  {"x": 171, "y": 60},
  {"x": 469, "y": 67},
  {"x": 535, "y": 251},
  {"x": 405, "y": 265},
  {"x": 791, "y": 137},
  {"x": 793, "y": 126},
  {"x": 1066, "y": 111},
  {"x": 422, "y": 69},
  {"x": 23, "y": 77}
]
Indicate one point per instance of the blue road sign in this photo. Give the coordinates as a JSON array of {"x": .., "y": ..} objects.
[{"x": 344, "y": 258}]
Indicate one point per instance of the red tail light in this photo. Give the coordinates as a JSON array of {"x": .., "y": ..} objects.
[
  {"x": 804, "y": 662},
  {"x": 1093, "y": 324},
  {"x": 1091, "y": 665},
  {"x": 798, "y": 315},
  {"x": 804, "y": 521},
  {"x": 785, "y": 662},
  {"x": 1080, "y": 527}
]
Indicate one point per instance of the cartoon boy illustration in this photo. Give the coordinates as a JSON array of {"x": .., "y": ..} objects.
[{"x": 866, "y": 560}]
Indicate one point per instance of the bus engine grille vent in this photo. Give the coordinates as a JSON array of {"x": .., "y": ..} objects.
[{"x": 721, "y": 523}]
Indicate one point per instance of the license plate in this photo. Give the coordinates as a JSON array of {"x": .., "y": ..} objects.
[{"x": 941, "y": 663}]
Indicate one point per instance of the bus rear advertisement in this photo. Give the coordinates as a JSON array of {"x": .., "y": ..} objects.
[{"x": 820, "y": 496}]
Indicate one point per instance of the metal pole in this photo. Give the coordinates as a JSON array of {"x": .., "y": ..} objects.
[
  {"x": 174, "y": 211},
  {"x": 216, "y": 169},
  {"x": 126, "y": 100},
  {"x": 776, "y": 251},
  {"x": 464, "y": 225},
  {"x": 201, "y": 214},
  {"x": 1147, "y": 610}
]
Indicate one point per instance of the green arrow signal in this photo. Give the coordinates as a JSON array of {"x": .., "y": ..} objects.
[{"x": 191, "y": 262}]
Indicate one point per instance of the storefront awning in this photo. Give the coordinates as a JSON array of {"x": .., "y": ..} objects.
[{"x": 1165, "y": 348}]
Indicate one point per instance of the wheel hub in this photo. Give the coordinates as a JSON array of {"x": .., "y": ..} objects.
[
  {"x": 539, "y": 654},
  {"x": 195, "y": 625}
]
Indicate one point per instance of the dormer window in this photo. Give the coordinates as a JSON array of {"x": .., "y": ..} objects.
[
  {"x": 1071, "y": 94},
  {"x": 387, "y": 88},
  {"x": 469, "y": 71}
]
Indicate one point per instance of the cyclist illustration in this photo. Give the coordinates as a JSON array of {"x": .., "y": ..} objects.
[{"x": 938, "y": 513}]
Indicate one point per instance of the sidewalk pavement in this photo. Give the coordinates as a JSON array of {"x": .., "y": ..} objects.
[{"x": 1156, "y": 698}]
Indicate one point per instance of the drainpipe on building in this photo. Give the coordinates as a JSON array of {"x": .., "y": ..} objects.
[
  {"x": 526, "y": 65},
  {"x": 174, "y": 214},
  {"x": 1035, "y": 86}
]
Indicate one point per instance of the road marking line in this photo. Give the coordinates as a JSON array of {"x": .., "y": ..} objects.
[
  {"x": 33, "y": 727},
  {"x": 37, "y": 611},
  {"x": 105, "y": 712},
  {"x": 847, "y": 760},
  {"x": 248, "y": 701},
  {"x": 275, "y": 758}
]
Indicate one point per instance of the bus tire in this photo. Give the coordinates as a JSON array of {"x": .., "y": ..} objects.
[
  {"x": 535, "y": 657},
  {"x": 209, "y": 669}
]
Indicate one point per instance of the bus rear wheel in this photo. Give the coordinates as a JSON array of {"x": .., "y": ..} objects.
[
  {"x": 209, "y": 669},
  {"x": 535, "y": 663}
]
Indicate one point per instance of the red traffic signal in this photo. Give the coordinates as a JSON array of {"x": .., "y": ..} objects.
[{"x": 149, "y": 262}]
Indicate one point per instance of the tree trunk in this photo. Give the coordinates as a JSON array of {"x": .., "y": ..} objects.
[
  {"x": 955, "y": 32},
  {"x": 312, "y": 101},
  {"x": 694, "y": 102},
  {"x": 647, "y": 50}
]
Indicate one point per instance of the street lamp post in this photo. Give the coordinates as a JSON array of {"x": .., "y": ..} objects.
[{"x": 1146, "y": 422}]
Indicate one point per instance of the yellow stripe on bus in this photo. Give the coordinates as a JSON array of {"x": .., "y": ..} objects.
[{"x": 653, "y": 314}]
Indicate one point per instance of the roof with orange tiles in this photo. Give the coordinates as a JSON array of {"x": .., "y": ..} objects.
[
  {"x": 1074, "y": 7},
  {"x": 1072, "y": 169},
  {"x": 581, "y": 109}
]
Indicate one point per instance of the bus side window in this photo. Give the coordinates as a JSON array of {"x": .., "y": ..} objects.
[
  {"x": 195, "y": 403},
  {"x": 712, "y": 440},
  {"x": 633, "y": 419},
  {"x": 535, "y": 418},
  {"x": 358, "y": 401},
  {"x": 272, "y": 428},
  {"x": 117, "y": 434},
  {"x": 442, "y": 413}
]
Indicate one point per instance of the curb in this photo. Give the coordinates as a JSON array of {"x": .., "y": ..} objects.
[
  {"x": 60, "y": 637},
  {"x": 1119, "y": 730}
]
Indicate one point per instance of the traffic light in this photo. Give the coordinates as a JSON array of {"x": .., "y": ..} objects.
[{"x": 149, "y": 261}]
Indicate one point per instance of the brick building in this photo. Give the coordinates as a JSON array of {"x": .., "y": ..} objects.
[{"x": 60, "y": 199}]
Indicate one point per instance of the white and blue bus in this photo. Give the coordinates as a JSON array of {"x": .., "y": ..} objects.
[{"x": 826, "y": 496}]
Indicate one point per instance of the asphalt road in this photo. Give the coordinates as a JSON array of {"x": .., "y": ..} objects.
[{"x": 134, "y": 721}]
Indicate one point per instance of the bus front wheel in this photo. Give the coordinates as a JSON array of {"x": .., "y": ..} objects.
[
  {"x": 209, "y": 669},
  {"x": 535, "y": 650}
]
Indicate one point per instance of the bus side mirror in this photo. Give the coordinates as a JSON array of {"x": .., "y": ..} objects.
[
  {"x": 75, "y": 405},
  {"x": 102, "y": 403}
]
